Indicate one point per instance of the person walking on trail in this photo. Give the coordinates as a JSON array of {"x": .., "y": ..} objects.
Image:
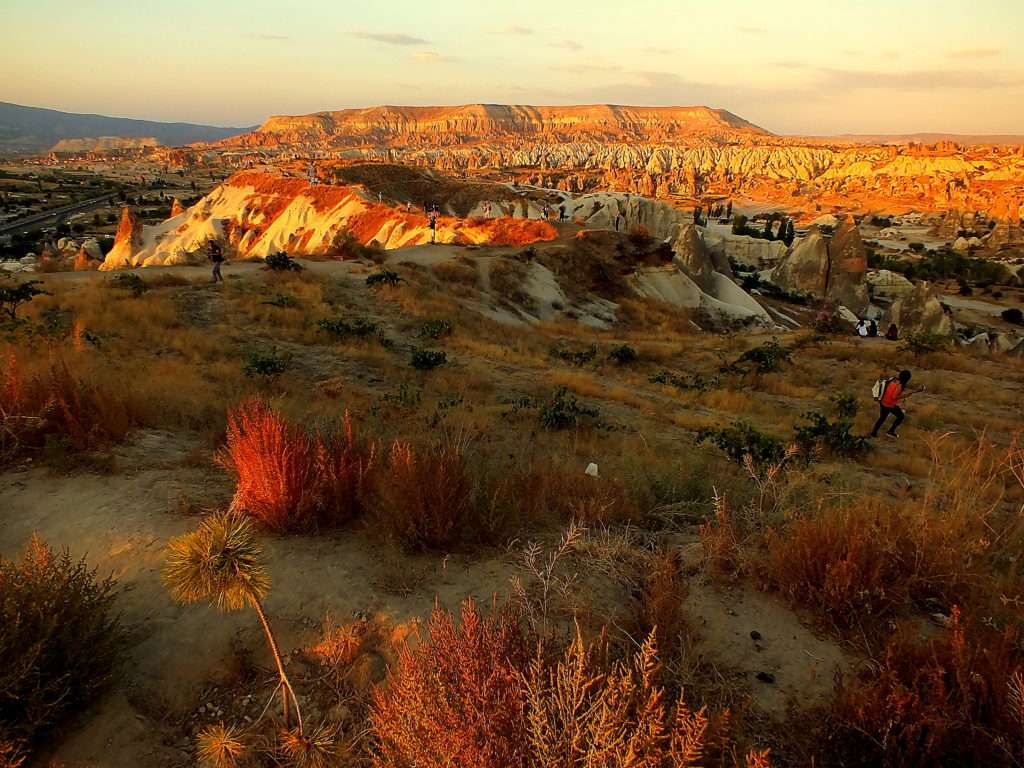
[
  {"x": 216, "y": 255},
  {"x": 890, "y": 392},
  {"x": 432, "y": 219},
  {"x": 862, "y": 328},
  {"x": 893, "y": 333},
  {"x": 872, "y": 329}
]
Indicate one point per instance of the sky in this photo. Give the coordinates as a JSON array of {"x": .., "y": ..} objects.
[{"x": 792, "y": 66}]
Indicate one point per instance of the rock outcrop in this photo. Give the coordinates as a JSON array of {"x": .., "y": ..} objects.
[
  {"x": 176, "y": 208},
  {"x": 832, "y": 269},
  {"x": 920, "y": 311},
  {"x": 256, "y": 214},
  {"x": 128, "y": 241}
]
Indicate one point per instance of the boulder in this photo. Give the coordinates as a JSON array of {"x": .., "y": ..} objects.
[
  {"x": 886, "y": 284},
  {"x": 920, "y": 311},
  {"x": 961, "y": 245},
  {"x": 177, "y": 208},
  {"x": 92, "y": 249},
  {"x": 66, "y": 244},
  {"x": 805, "y": 268},
  {"x": 127, "y": 243},
  {"x": 848, "y": 263}
]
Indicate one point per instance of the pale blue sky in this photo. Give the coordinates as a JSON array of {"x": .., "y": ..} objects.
[{"x": 793, "y": 66}]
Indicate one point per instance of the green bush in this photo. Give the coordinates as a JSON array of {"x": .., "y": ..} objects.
[
  {"x": 696, "y": 381},
  {"x": 767, "y": 358},
  {"x": 924, "y": 343},
  {"x": 341, "y": 327},
  {"x": 427, "y": 359},
  {"x": 266, "y": 365},
  {"x": 282, "y": 301},
  {"x": 833, "y": 437},
  {"x": 576, "y": 357},
  {"x": 623, "y": 355},
  {"x": 384, "y": 277},
  {"x": 741, "y": 439},
  {"x": 435, "y": 329},
  {"x": 564, "y": 410},
  {"x": 1013, "y": 315},
  {"x": 12, "y": 297},
  {"x": 282, "y": 262},
  {"x": 129, "y": 281},
  {"x": 59, "y": 642}
]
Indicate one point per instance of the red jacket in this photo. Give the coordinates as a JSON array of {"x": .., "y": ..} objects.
[{"x": 893, "y": 392}]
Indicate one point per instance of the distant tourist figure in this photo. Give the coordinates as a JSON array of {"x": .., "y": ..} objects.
[
  {"x": 432, "y": 220},
  {"x": 619, "y": 220},
  {"x": 873, "y": 329},
  {"x": 893, "y": 333},
  {"x": 890, "y": 392},
  {"x": 862, "y": 328},
  {"x": 561, "y": 214},
  {"x": 216, "y": 255},
  {"x": 408, "y": 206}
]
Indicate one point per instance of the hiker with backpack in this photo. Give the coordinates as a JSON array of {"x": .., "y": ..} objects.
[
  {"x": 890, "y": 392},
  {"x": 216, "y": 255}
]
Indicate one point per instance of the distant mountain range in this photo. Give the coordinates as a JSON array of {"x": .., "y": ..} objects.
[
  {"x": 993, "y": 139},
  {"x": 26, "y": 130}
]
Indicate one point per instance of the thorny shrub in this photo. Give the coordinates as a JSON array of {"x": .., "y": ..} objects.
[
  {"x": 474, "y": 695},
  {"x": 56, "y": 405},
  {"x": 340, "y": 327},
  {"x": 957, "y": 699},
  {"x": 427, "y": 359},
  {"x": 427, "y": 496},
  {"x": 457, "y": 699},
  {"x": 740, "y": 440},
  {"x": 59, "y": 642},
  {"x": 563, "y": 410},
  {"x": 835, "y": 437},
  {"x": 282, "y": 262},
  {"x": 767, "y": 358},
  {"x": 866, "y": 561},
  {"x": 288, "y": 479}
]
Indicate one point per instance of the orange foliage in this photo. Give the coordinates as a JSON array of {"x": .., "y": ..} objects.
[
  {"x": 288, "y": 479},
  {"x": 427, "y": 496},
  {"x": 955, "y": 700},
  {"x": 457, "y": 700},
  {"x": 57, "y": 404},
  {"x": 509, "y": 231}
]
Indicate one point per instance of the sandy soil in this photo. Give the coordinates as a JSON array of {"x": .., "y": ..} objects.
[{"x": 122, "y": 522}]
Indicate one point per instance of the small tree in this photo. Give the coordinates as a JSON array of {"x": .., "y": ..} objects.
[
  {"x": 221, "y": 562},
  {"x": 21, "y": 293}
]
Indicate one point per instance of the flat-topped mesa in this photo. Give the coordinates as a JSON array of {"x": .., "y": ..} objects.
[{"x": 495, "y": 120}]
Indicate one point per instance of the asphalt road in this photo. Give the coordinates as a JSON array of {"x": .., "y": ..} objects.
[{"x": 33, "y": 221}]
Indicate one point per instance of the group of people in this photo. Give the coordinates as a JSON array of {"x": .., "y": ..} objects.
[{"x": 869, "y": 328}]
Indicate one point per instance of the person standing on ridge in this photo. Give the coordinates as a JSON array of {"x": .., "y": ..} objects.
[
  {"x": 890, "y": 393},
  {"x": 216, "y": 255}
]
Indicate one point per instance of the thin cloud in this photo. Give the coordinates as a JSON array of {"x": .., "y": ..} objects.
[
  {"x": 569, "y": 45},
  {"x": 920, "y": 80},
  {"x": 433, "y": 56},
  {"x": 516, "y": 29},
  {"x": 748, "y": 30},
  {"x": 275, "y": 38},
  {"x": 391, "y": 38},
  {"x": 790, "y": 64},
  {"x": 975, "y": 53}
]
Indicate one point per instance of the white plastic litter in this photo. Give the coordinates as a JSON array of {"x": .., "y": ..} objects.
[{"x": 591, "y": 469}]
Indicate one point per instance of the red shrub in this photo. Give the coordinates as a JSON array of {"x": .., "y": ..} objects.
[
  {"x": 345, "y": 470},
  {"x": 427, "y": 495},
  {"x": 955, "y": 700},
  {"x": 56, "y": 404},
  {"x": 276, "y": 464},
  {"x": 458, "y": 700},
  {"x": 288, "y": 479}
]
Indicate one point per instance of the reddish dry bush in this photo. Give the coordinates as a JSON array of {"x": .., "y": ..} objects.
[
  {"x": 346, "y": 469},
  {"x": 865, "y": 562},
  {"x": 541, "y": 492},
  {"x": 720, "y": 538},
  {"x": 288, "y": 479},
  {"x": 954, "y": 700},
  {"x": 475, "y": 696},
  {"x": 660, "y": 602},
  {"x": 56, "y": 404},
  {"x": 427, "y": 496},
  {"x": 276, "y": 466},
  {"x": 458, "y": 699}
]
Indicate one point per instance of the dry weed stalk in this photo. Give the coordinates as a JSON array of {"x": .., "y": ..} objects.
[
  {"x": 220, "y": 746},
  {"x": 535, "y": 600}
]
